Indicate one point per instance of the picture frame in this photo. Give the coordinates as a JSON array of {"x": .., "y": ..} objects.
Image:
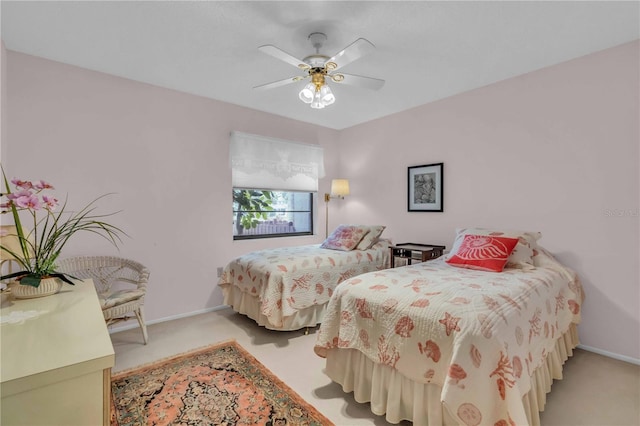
[{"x": 425, "y": 188}]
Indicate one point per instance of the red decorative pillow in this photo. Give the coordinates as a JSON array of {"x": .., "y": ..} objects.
[
  {"x": 483, "y": 252},
  {"x": 345, "y": 238},
  {"x": 521, "y": 256}
]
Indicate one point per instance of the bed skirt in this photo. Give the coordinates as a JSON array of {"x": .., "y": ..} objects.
[
  {"x": 391, "y": 393},
  {"x": 249, "y": 305}
]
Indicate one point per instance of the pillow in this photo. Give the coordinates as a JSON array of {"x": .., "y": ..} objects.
[
  {"x": 371, "y": 237},
  {"x": 345, "y": 238},
  {"x": 523, "y": 253},
  {"x": 483, "y": 252}
]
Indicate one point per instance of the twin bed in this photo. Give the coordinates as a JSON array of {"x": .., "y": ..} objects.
[
  {"x": 436, "y": 343},
  {"x": 288, "y": 288}
]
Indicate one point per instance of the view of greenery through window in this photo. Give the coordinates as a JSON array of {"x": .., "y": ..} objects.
[{"x": 261, "y": 214}]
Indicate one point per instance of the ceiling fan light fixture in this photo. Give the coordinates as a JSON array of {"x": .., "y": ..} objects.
[
  {"x": 307, "y": 94},
  {"x": 317, "y": 93},
  {"x": 317, "y": 101},
  {"x": 326, "y": 95}
]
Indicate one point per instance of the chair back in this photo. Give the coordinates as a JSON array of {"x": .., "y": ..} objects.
[{"x": 105, "y": 271}]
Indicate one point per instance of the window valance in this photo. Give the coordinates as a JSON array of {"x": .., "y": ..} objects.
[{"x": 261, "y": 162}]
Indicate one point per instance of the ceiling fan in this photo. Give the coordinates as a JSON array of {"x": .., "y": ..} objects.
[{"x": 320, "y": 68}]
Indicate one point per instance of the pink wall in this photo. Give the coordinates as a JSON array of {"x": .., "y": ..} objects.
[
  {"x": 3, "y": 91},
  {"x": 165, "y": 155},
  {"x": 554, "y": 151}
]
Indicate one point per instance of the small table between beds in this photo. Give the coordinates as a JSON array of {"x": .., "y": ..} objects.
[{"x": 413, "y": 251}]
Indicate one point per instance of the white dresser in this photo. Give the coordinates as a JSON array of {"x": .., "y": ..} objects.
[{"x": 55, "y": 359}]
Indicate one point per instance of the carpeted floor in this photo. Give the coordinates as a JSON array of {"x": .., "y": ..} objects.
[
  {"x": 595, "y": 390},
  {"x": 221, "y": 384}
]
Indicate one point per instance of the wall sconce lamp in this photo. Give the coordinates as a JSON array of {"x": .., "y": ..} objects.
[{"x": 339, "y": 189}]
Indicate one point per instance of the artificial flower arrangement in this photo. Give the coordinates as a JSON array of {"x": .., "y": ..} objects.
[{"x": 40, "y": 247}]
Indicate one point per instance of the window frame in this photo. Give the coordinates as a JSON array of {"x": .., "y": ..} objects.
[{"x": 311, "y": 212}]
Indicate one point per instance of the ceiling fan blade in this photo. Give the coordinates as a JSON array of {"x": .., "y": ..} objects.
[
  {"x": 283, "y": 56},
  {"x": 355, "y": 50},
  {"x": 280, "y": 83},
  {"x": 358, "y": 80}
]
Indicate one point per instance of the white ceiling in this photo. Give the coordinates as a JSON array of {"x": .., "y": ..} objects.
[{"x": 426, "y": 50}]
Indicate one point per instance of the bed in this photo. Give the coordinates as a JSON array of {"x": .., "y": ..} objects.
[
  {"x": 288, "y": 288},
  {"x": 440, "y": 344}
]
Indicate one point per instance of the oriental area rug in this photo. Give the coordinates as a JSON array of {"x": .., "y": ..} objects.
[{"x": 222, "y": 384}]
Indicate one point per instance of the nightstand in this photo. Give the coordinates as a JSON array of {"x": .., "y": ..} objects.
[{"x": 413, "y": 251}]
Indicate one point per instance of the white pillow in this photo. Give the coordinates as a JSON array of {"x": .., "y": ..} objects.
[
  {"x": 371, "y": 237},
  {"x": 521, "y": 256}
]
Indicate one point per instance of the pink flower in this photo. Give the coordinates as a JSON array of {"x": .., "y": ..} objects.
[
  {"x": 24, "y": 184},
  {"x": 3, "y": 232},
  {"x": 50, "y": 202},
  {"x": 28, "y": 202},
  {"x": 43, "y": 244},
  {"x": 40, "y": 185},
  {"x": 23, "y": 193}
]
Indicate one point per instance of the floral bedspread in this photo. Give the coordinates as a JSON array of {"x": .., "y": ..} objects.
[
  {"x": 479, "y": 335},
  {"x": 290, "y": 279}
]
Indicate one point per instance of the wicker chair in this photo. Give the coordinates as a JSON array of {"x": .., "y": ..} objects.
[{"x": 105, "y": 271}]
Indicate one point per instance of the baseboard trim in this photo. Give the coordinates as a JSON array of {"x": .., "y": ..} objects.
[
  {"x": 610, "y": 354},
  {"x": 134, "y": 323}
]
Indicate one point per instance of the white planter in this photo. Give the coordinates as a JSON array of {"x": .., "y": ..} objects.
[{"x": 47, "y": 287}]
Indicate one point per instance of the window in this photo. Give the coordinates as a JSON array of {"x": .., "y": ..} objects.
[
  {"x": 274, "y": 182},
  {"x": 263, "y": 214}
]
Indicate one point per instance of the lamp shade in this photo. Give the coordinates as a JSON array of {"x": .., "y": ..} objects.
[
  {"x": 9, "y": 240},
  {"x": 339, "y": 187},
  {"x": 326, "y": 94},
  {"x": 307, "y": 93},
  {"x": 317, "y": 101}
]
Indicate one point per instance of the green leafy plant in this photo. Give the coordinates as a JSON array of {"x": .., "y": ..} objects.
[
  {"x": 251, "y": 207},
  {"x": 40, "y": 247}
]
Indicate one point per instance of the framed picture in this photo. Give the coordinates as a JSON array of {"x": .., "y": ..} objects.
[{"x": 425, "y": 188}]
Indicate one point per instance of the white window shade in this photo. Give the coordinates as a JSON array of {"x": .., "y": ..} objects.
[{"x": 259, "y": 162}]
